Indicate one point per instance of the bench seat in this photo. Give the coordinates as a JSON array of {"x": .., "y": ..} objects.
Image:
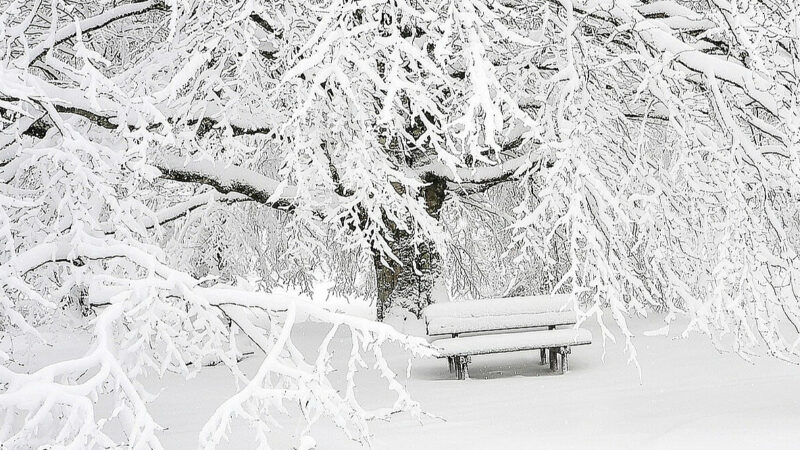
[{"x": 511, "y": 342}]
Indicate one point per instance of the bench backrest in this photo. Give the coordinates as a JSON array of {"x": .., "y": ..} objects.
[{"x": 498, "y": 314}]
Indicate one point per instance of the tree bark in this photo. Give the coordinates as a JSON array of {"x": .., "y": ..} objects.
[{"x": 408, "y": 284}]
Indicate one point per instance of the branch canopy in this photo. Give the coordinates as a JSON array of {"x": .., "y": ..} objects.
[{"x": 634, "y": 155}]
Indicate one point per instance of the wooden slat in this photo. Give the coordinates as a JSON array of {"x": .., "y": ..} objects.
[
  {"x": 499, "y": 306},
  {"x": 449, "y": 325},
  {"x": 512, "y": 342}
]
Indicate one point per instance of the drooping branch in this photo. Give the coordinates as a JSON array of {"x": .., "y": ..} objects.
[
  {"x": 92, "y": 23},
  {"x": 659, "y": 25},
  {"x": 285, "y": 371},
  {"x": 175, "y": 212},
  {"x": 751, "y": 83}
]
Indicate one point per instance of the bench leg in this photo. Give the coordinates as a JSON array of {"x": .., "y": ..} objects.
[
  {"x": 461, "y": 367},
  {"x": 565, "y": 351},
  {"x": 553, "y": 359},
  {"x": 461, "y": 364},
  {"x": 464, "y": 368},
  {"x": 450, "y": 364},
  {"x": 542, "y": 356}
]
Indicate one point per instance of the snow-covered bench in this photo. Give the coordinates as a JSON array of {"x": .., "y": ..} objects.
[{"x": 504, "y": 319}]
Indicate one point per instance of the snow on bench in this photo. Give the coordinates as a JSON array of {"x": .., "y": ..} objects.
[
  {"x": 458, "y": 325},
  {"x": 512, "y": 342},
  {"x": 505, "y": 314},
  {"x": 498, "y": 314},
  {"x": 500, "y": 306}
]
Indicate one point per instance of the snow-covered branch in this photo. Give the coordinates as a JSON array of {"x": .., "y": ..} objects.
[
  {"x": 489, "y": 174},
  {"x": 181, "y": 209},
  {"x": 285, "y": 373},
  {"x": 229, "y": 178},
  {"x": 90, "y": 24}
]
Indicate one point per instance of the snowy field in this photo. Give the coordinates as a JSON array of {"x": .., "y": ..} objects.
[{"x": 689, "y": 396}]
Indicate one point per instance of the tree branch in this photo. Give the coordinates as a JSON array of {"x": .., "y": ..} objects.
[
  {"x": 230, "y": 179},
  {"x": 92, "y": 23},
  {"x": 660, "y": 34},
  {"x": 476, "y": 175},
  {"x": 181, "y": 209}
]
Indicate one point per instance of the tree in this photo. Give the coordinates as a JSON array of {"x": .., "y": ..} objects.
[{"x": 639, "y": 155}]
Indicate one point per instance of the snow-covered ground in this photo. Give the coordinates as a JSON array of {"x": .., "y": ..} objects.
[{"x": 689, "y": 396}]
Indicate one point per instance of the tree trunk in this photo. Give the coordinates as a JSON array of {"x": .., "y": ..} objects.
[{"x": 409, "y": 283}]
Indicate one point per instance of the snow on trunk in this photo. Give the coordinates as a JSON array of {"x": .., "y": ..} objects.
[{"x": 408, "y": 281}]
